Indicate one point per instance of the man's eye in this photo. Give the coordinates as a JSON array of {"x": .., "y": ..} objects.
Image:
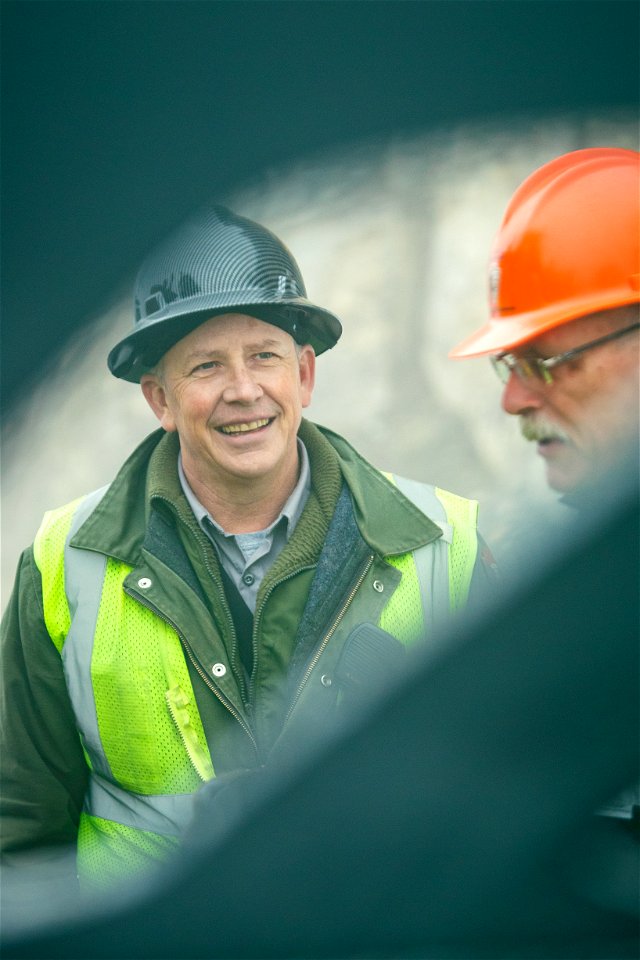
[
  {"x": 265, "y": 355},
  {"x": 207, "y": 365}
]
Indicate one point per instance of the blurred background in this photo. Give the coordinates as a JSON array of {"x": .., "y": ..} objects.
[{"x": 380, "y": 140}]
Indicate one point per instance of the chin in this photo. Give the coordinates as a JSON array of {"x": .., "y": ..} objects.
[{"x": 566, "y": 481}]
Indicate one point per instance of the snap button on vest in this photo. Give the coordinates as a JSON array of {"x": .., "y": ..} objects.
[
  {"x": 144, "y": 583},
  {"x": 326, "y": 680},
  {"x": 218, "y": 669},
  {"x": 378, "y": 585}
]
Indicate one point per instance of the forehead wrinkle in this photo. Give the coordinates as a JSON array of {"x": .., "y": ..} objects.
[{"x": 266, "y": 342}]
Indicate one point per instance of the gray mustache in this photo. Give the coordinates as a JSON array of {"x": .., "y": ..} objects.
[{"x": 537, "y": 429}]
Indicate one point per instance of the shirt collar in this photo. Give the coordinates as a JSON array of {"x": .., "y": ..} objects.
[{"x": 291, "y": 510}]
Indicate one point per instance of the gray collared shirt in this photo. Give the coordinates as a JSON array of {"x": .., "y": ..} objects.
[{"x": 246, "y": 557}]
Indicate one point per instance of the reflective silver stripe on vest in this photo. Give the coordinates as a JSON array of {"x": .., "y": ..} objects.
[
  {"x": 432, "y": 561},
  {"x": 167, "y": 814},
  {"x": 84, "y": 576}
]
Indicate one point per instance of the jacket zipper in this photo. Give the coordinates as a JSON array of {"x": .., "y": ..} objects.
[
  {"x": 256, "y": 620},
  {"x": 328, "y": 635},
  {"x": 223, "y": 700},
  {"x": 204, "y": 542}
]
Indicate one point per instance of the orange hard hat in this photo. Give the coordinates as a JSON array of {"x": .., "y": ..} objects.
[{"x": 568, "y": 245}]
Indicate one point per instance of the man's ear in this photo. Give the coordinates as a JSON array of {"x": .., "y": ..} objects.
[
  {"x": 156, "y": 396},
  {"x": 307, "y": 367}
]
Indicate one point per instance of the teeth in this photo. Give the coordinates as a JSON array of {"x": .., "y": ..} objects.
[{"x": 244, "y": 427}]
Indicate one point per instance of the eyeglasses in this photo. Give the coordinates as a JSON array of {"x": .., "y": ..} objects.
[{"x": 526, "y": 367}]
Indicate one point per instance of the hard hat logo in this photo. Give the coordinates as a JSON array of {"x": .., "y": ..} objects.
[
  {"x": 165, "y": 293},
  {"x": 217, "y": 263},
  {"x": 494, "y": 285},
  {"x": 152, "y": 304}
]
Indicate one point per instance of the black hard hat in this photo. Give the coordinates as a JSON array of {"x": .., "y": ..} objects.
[{"x": 217, "y": 263}]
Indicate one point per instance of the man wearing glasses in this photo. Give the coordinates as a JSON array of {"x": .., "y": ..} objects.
[{"x": 564, "y": 285}]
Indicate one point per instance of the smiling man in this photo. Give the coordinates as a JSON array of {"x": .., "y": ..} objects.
[
  {"x": 564, "y": 284},
  {"x": 245, "y": 577},
  {"x": 233, "y": 389}
]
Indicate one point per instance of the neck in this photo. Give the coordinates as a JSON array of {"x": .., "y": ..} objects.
[{"x": 244, "y": 504}]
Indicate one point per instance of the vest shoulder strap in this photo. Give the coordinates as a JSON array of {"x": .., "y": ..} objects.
[
  {"x": 50, "y": 550},
  {"x": 462, "y": 514},
  {"x": 457, "y": 518}
]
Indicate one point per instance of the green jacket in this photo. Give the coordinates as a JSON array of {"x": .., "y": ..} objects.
[{"x": 144, "y": 522}]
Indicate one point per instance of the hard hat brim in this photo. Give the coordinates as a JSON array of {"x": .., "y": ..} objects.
[
  {"x": 501, "y": 334},
  {"x": 141, "y": 350}
]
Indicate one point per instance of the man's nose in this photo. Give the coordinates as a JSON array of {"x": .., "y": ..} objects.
[
  {"x": 521, "y": 395},
  {"x": 241, "y": 386}
]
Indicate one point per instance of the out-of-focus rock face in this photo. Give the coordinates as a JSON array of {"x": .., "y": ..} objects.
[{"x": 393, "y": 237}]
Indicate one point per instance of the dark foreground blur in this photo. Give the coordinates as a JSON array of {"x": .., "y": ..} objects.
[{"x": 454, "y": 818}]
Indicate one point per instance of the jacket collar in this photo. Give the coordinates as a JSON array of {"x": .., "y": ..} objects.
[
  {"x": 387, "y": 520},
  {"x": 117, "y": 525}
]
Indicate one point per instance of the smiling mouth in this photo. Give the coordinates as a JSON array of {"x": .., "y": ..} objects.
[{"x": 248, "y": 426}]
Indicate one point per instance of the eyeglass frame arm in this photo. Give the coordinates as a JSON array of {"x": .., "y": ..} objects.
[{"x": 543, "y": 365}]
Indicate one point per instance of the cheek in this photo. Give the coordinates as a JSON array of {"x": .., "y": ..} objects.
[
  {"x": 617, "y": 416},
  {"x": 194, "y": 407},
  {"x": 289, "y": 393},
  {"x": 577, "y": 402}
]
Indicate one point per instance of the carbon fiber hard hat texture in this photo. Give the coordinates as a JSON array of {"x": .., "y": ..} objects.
[
  {"x": 217, "y": 262},
  {"x": 568, "y": 246}
]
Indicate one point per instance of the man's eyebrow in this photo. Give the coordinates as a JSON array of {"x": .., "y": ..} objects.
[
  {"x": 207, "y": 354},
  {"x": 201, "y": 355}
]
